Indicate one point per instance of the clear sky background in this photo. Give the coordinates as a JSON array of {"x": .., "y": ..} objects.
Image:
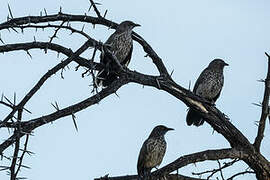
[{"x": 187, "y": 35}]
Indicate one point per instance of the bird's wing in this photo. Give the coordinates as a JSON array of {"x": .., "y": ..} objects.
[
  {"x": 141, "y": 159},
  {"x": 109, "y": 41},
  {"x": 128, "y": 58},
  {"x": 217, "y": 96},
  {"x": 201, "y": 79}
]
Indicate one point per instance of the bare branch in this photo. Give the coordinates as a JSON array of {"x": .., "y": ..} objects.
[
  {"x": 54, "y": 47},
  {"x": 22, "y": 156},
  {"x": 241, "y": 173},
  {"x": 95, "y": 8},
  {"x": 30, "y": 125},
  {"x": 55, "y": 32},
  {"x": 185, "y": 160},
  {"x": 135, "y": 177},
  {"x": 265, "y": 109},
  {"x": 45, "y": 77}
]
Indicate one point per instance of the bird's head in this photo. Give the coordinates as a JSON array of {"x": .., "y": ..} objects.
[
  {"x": 126, "y": 25},
  {"x": 217, "y": 64},
  {"x": 160, "y": 130}
]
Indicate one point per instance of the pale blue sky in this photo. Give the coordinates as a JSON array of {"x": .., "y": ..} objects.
[{"x": 187, "y": 35}]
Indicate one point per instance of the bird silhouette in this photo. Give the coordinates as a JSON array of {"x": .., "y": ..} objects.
[
  {"x": 152, "y": 151},
  {"x": 209, "y": 86},
  {"x": 121, "y": 45}
]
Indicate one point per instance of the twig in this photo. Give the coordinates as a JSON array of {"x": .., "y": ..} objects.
[
  {"x": 17, "y": 131},
  {"x": 45, "y": 77},
  {"x": 73, "y": 30},
  {"x": 241, "y": 173},
  {"x": 23, "y": 153},
  {"x": 265, "y": 109},
  {"x": 55, "y": 32},
  {"x": 34, "y": 123},
  {"x": 95, "y": 8}
]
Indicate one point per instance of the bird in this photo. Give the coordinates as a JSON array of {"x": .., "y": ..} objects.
[
  {"x": 152, "y": 151},
  {"x": 121, "y": 45},
  {"x": 209, "y": 86}
]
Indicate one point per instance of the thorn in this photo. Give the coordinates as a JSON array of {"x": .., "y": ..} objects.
[
  {"x": 40, "y": 13},
  {"x": 55, "y": 106},
  {"x": 105, "y": 13},
  {"x": 35, "y": 39},
  {"x": 14, "y": 29},
  {"x": 89, "y": 8},
  {"x": 14, "y": 98},
  {"x": 60, "y": 10},
  {"x": 189, "y": 85},
  {"x": 117, "y": 94},
  {"x": 105, "y": 177},
  {"x": 172, "y": 73},
  {"x": 83, "y": 27},
  {"x": 10, "y": 12},
  {"x": 267, "y": 54},
  {"x": 1, "y": 40},
  {"x": 257, "y": 104},
  {"x": 261, "y": 80},
  {"x": 74, "y": 121},
  {"x": 27, "y": 110},
  {"x": 45, "y": 12},
  {"x": 146, "y": 55},
  {"x": 8, "y": 101},
  {"x": 29, "y": 54}
]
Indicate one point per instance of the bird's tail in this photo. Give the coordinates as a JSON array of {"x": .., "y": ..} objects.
[
  {"x": 144, "y": 174},
  {"x": 194, "y": 118},
  {"x": 105, "y": 79}
]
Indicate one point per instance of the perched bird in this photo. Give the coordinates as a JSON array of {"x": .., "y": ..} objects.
[
  {"x": 208, "y": 86},
  {"x": 120, "y": 44},
  {"x": 152, "y": 151}
]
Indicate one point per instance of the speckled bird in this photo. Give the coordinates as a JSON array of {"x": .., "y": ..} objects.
[
  {"x": 209, "y": 86},
  {"x": 152, "y": 151},
  {"x": 121, "y": 45}
]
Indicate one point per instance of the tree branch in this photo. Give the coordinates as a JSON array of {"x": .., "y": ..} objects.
[
  {"x": 135, "y": 177},
  {"x": 95, "y": 8},
  {"x": 185, "y": 160},
  {"x": 45, "y": 77},
  {"x": 265, "y": 109},
  {"x": 30, "y": 125},
  {"x": 54, "y": 47}
]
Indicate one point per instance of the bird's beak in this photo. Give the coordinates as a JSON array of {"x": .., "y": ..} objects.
[
  {"x": 225, "y": 64},
  {"x": 136, "y": 25},
  {"x": 170, "y": 129}
]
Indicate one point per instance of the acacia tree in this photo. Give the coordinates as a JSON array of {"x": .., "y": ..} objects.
[{"x": 241, "y": 148}]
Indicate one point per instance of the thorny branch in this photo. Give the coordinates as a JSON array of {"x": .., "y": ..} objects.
[
  {"x": 265, "y": 109},
  {"x": 61, "y": 65},
  {"x": 214, "y": 171},
  {"x": 73, "y": 30},
  {"x": 241, "y": 173},
  {"x": 241, "y": 147}
]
